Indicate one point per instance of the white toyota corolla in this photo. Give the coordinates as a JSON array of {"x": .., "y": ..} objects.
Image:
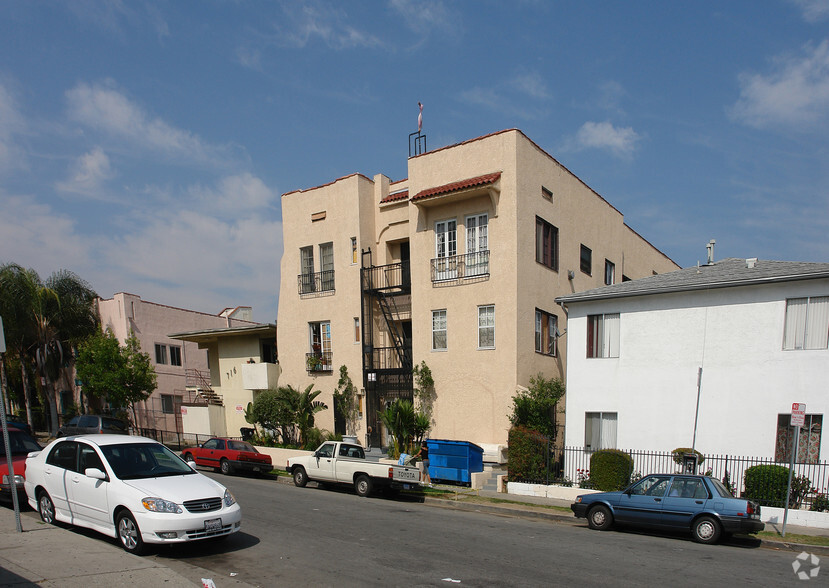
[{"x": 132, "y": 488}]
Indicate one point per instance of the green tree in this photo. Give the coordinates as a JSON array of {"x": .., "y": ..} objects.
[
  {"x": 345, "y": 399},
  {"x": 50, "y": 318},
  {"x": 535, "y": 407},
  {"x": 123, "y": 375},
  {"x": 307, "y": 407},
  {"x": 424, "y": 389},
  {"x": 274, "y": 411},
  {"x": 406, "y": 426}
]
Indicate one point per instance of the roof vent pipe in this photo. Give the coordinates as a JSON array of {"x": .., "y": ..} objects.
[
  {"x": 751, "y": 262},
  {"x": 710, "y": 248}
]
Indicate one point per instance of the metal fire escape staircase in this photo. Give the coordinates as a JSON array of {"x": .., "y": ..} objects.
[{"x": 388, "y": 307}]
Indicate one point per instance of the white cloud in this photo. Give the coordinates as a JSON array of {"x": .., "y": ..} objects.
[
  {"x": 102, "y": 107},
  {"x": 239, "y": 193},
  {"x": 426, "y": 16},
  {"x": 88, "y": 174},
  {"x": 314, "y": 20},
  {"x": 530, "y": 84},
  {"x": 522, "y": 96},
  {"x": 795, "y": 96},
  {"x": 603, "y": 135},
  {"x": 813, "y": 10}
]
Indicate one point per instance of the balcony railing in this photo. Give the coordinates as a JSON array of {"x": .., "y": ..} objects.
[
  {"x": 468, "y": 265},
  {"x": 394, "y": 276},
  {"x": 316, "y": 282},
  {"x": 319, "y": 362}
]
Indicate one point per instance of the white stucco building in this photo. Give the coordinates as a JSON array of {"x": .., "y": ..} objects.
[{"x": 749, "y": 336}]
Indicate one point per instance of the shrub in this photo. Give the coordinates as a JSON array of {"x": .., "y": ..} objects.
[
  {"x": 526, "y": 455},
  {"x": 767, "y": 485},
  {"x": 820, "y": 503},
  {"x": 535, "y": 407},
  {"x": 610, "y": 469}
]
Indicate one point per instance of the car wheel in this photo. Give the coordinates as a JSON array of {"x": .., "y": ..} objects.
[
  {"x": 300, "y": 477},
  {"x": 706, "y": 530},
  {"x": 46, "y": 508},
  {"x": 129, "y": 533},
  {"x": 362, "y": 485},
  {"x": 599, "y": 518},
  {"x": 225, "y": 466}
]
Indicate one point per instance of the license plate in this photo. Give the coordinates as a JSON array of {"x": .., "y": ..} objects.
[
  {"x": 213, "y": 525},
  {"x": 255, "y": 469},
  {"x": 407, "y": 475}
]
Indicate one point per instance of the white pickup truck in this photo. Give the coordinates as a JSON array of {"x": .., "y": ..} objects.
[{"x": 336, "y": 462}]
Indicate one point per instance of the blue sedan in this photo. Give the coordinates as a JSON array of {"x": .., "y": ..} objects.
[{"x": 699, "y": 504}]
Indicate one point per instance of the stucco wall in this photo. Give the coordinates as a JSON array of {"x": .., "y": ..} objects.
[{"x": 734, "y": 334}]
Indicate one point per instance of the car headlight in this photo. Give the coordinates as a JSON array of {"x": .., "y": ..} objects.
[
  {"x": 578, "y": 498},
  {"x": 160, "y": 505},
  {"x": 17, "y": 479},
  {"x": 229, "y": 499}
]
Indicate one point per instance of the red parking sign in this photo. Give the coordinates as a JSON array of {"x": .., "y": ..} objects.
[{"x": 798, "y": 414}]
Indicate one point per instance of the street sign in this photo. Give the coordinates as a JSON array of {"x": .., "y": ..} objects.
[{"x": 798, "y": 414}]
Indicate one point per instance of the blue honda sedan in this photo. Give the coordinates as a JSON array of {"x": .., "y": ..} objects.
[{"x": 699, "y": 504}]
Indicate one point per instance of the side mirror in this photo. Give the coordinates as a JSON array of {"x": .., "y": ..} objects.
[
  {"x": 192, "y": 465},
  {"x": 95, "y": 473}
]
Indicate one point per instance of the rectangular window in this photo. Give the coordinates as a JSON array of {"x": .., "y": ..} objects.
[
  {"x": 306, "y": 255},
  {"x": 161, "y": 354},
  {"x": 603, "y": 335},
  {"x": 439, "y": 331},
  {"x": 545, "y": 332},
  {"x": 547, "y": 193},
  {"x": 327, "y": 266},
  {"x": 167, "y": 404},
  {"x": 808, "y": 445},
  {"x": 356, "y": 329},
  {"x": 486, "y": 327},
  {"x": 175, "y": 355},
  {"x": 807, "y": 323},
  {"x": 446, "y": 250},
  {"x": 477, "y": 245},
  {"x": 600, "y": 430},
  {"x": 546, "y": 243},
  {"x": 319, "y": 359},
  {"x": 586, "y": 260},
  {"x": 609, "y": 272},
  {"x": 355, "y": 253}
]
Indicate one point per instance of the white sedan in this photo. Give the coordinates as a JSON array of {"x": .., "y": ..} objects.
[{"x": 132, "y": 488}]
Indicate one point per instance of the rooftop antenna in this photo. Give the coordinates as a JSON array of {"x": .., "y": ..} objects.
[
  {"x": 417, "y": 141},
  {"x": 710, "y": 248}
]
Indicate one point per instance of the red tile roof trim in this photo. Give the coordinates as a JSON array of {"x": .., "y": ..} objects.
[
  {"x": 456, "y": 186},
  {"x": 396, "y": 197}
]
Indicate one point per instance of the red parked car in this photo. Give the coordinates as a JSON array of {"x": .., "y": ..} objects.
[
  {"x": 227, "y": 456},
  {"x": 20, "y": 443}
]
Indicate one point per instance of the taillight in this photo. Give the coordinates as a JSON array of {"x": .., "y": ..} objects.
[
  {"x": 390, "y": 473},
  {"x": 749, "y": 509}
]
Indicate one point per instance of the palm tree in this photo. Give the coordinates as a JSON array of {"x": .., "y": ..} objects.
[
  {"x": 16, "y": 287},
  {"x": 50, "y": 319},
  {"x": 307, "y": 407}
]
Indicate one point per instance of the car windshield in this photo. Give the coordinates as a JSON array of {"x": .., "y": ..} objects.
[
  {"x": 241, "y": 446},
  {"x": 721, "y": 489},
  {"x": 110, "y": 423},
  {"x": 20, "y": 444},
  {"x": 134, "y": 461}
]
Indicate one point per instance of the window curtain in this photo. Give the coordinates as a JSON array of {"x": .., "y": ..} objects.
[
  {"x": 795, "y": 323},
  {"x": 817, "y": 323},
  {"x": 611, "y": 335}
]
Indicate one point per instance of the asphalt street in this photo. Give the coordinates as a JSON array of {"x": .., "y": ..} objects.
[{"x": 331, "y": 537}]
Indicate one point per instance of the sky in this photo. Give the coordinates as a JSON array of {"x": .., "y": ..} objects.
[{"x": 145, "y": 145}]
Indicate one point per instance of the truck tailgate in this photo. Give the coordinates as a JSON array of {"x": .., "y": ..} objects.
[{"x": 406, "y": 474}]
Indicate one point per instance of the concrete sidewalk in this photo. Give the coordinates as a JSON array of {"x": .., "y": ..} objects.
[{"x": 68, "y": 557}]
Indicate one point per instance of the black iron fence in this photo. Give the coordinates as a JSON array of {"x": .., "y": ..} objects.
[{"x": 570, "y": 466}]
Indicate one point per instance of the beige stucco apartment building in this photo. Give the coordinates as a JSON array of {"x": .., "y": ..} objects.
[
  {"x": 181, "y": 367},
  {"x": 458, "y": 266}
]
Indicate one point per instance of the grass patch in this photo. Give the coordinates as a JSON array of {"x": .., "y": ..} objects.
[{"x": 793, "y": 538}]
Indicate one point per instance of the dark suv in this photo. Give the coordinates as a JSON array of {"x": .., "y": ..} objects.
[{"x": 91, "y": 423}]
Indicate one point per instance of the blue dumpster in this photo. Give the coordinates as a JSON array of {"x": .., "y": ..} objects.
[{"x": 454, "y": 461}]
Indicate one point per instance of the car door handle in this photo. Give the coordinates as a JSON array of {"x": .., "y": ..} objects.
[
  {"x": 657, "y": 500},
  {"x": 698, "y": 501}
]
